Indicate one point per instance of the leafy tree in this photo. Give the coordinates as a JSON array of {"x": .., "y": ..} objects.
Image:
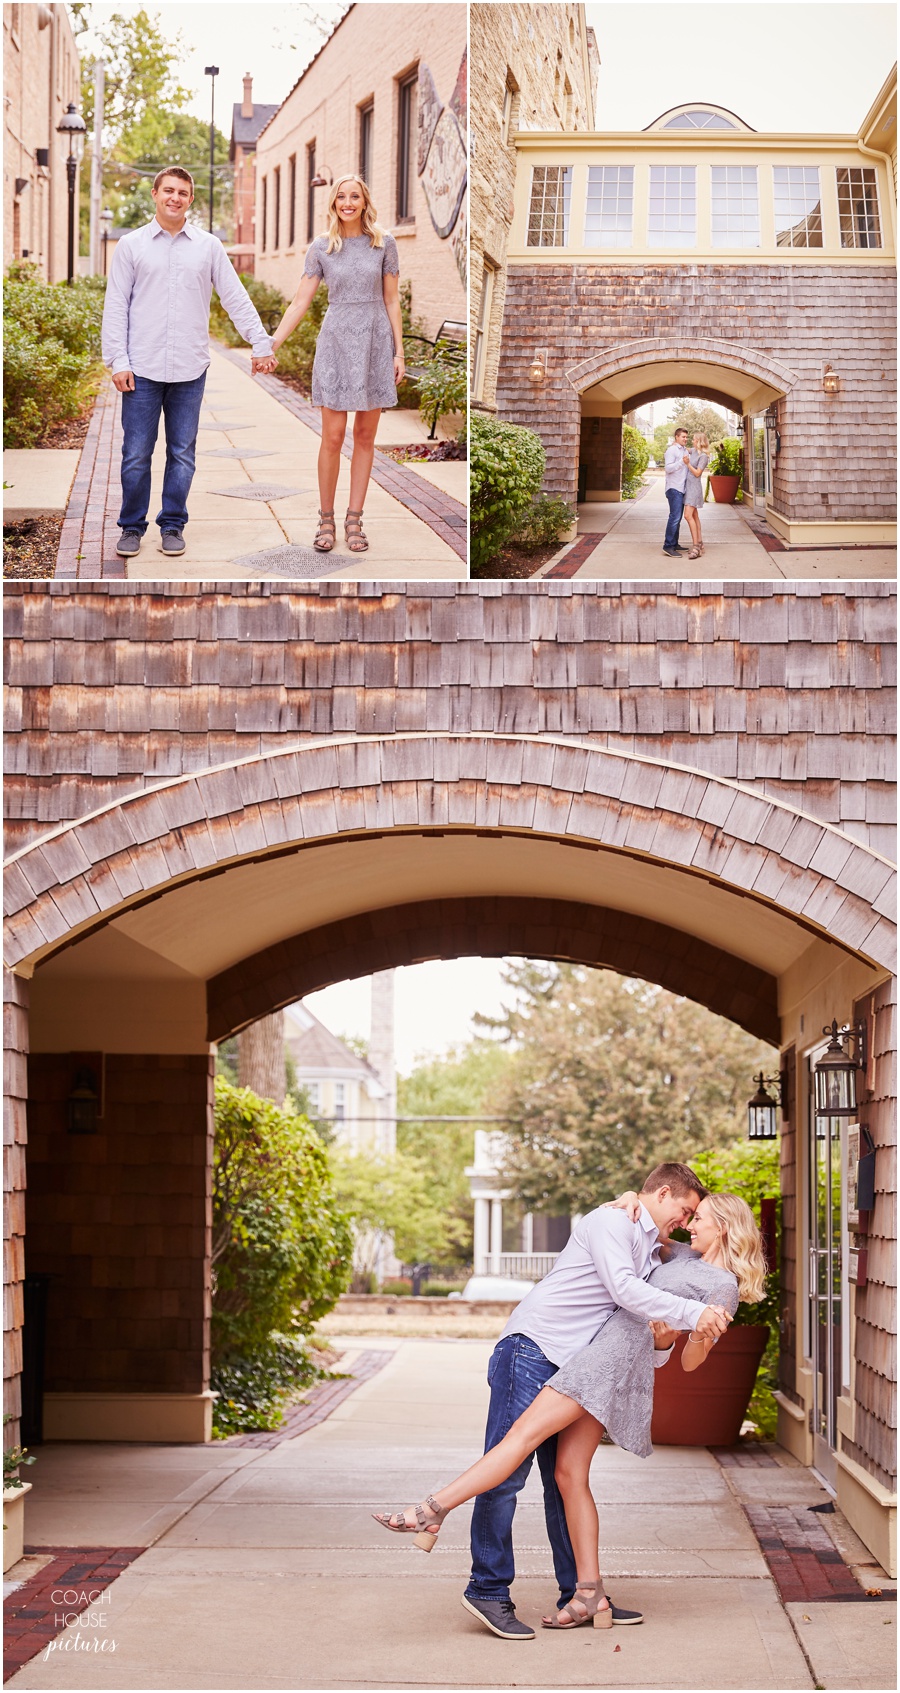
[
  {"x": 390, "y": 1200},
  {"x": 635, "y": 459},
  {"x": 695, "y": 417},
  {"x": 455, "y": 1085},
  {"x": 185, "y": 144},
  {"x": 610, "y": 1076}
]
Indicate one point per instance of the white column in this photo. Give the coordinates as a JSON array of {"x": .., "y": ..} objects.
[
  {"x": 480, "y": 1249},
  {"x": 528, "y": 1232},
  {"x": 496, "y": 1235}
]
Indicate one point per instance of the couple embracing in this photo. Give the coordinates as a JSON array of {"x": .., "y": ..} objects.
[
  {"x": 578, "y": 1356},
  {"x": 156, "y": 345}
]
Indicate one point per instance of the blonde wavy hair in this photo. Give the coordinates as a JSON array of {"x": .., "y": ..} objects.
[
  {"x": 700, "y": 441},
  {"x": 742, "y": 1251},
  {"x": 368, "y": 222}
]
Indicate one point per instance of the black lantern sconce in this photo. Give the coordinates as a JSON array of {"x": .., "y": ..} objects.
[
  {"x": 835, "y": 1072},
  {"x": 763, "y": 1108},
  {"x": 83, "y": 1104}
]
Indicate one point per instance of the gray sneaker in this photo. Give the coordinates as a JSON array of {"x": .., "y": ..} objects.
[
  {"x": 171, "y": 541},
  {"x": 499, "y": 1615},
  {"x": 129, "y": 543}
]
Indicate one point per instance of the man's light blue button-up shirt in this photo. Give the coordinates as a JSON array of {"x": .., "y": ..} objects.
[
  {"x": 676, "y": 469},
  {"x": 156, "y": 313}
]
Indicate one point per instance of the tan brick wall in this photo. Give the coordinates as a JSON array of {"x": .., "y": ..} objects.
[
  {"x": 32, "y": 110},
  {"x": 838, "y": 453},
  {"x": 371, "y": 49},
  {"x": 121, "y": 1221},
  {"x": 15, "y": 1093},
  {"x": 526, "y": 43}
]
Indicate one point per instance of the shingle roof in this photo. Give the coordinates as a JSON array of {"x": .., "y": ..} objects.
[
  {"x": 245, "y": 130},
  {"x": 316, "y": 1048}
]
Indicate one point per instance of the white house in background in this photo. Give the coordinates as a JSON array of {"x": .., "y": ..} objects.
[
  {"x": 345, "y": 1092},
  {"x": 522, "y": 1245}
]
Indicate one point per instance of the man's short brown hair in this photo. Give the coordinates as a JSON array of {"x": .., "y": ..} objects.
[
  {"x": 678, "y": 1177},
  {"x": 174, "y": 170}
]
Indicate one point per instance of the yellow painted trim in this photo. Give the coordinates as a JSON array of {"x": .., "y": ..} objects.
[
  {"x": 620, "y": 257},
  {"x": 870, "y": 1509},
  {"x": 178, "y": 1417},
  {"x": 832, "y": 534},
  {"x": 787, "y": 1405},
  {"x": 597, "y": 496}
]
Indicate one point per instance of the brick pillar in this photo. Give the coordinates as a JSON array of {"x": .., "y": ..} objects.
[
  {"x": 121, "y": 1221},
  {"x": 15, "y": 1093}
]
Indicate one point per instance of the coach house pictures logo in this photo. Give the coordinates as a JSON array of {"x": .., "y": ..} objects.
[{"x": 91, "y": 1619}]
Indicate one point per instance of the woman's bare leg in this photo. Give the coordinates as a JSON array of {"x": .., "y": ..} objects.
[
  {"x": 693, "y": 523},
  {"x": 365, "y": 425},
  {"x": 334, "y": 428},
  {"x": 548, "y": 1413},
  {"x": 575, "y": 1449}
]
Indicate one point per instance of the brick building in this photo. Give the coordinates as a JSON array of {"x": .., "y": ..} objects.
[
  {"x": 41, "y": 75},
  {"x": 247, "y": 119},
  {"x": 534, "y": 67},
  {"x": 699, "y": 257},
  {"x": 222, "y": 798},
  {"x": 384, "y": 98}
]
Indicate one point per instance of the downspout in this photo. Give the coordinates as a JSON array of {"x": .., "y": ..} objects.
[{"x": 873, "y": 153}]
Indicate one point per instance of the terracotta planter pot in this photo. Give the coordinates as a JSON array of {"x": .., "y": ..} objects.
[
  {"x": 724, "y": 489},
  {"x": 707, "y": 1407}
]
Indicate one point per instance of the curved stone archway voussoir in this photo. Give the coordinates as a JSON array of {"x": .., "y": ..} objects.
[
  {"x": 652, "y": 350},
  {"x": 84, "y": 873}
]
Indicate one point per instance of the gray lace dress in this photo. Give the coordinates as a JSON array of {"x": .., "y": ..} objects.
[
  {"x": 613, "y": 1376},
  {"x": 354, "y": 363},
  {"x": 693, "y": 493}
]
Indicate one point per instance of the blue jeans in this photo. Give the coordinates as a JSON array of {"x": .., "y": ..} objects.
[
  {"x": 675, "y": 497},
  {"x": 517, "y": 1371},
  {"x": 179, "y": 403}
]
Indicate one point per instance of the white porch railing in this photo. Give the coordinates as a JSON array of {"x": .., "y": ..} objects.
[{"x": 530, "y": 1266}]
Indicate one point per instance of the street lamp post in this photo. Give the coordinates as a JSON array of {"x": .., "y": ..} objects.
[
  {"x": 212, "y": 72},
  {"x": 71, "y": 127},
  {"x": 106, "y": 218}
]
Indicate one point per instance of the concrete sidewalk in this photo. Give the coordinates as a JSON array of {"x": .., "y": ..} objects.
[
  {"x": 265, "y": 1570},
  {"x": 628, "y": 538},
  {"x": 254, "y": 498}
]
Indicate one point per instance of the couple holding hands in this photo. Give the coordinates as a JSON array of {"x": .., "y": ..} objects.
[
  {"x": 578, "y": 1356},
  {"x": 156, "y": 345}
]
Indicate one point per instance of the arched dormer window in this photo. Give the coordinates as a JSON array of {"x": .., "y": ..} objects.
[{"x": 699, "y": 116}]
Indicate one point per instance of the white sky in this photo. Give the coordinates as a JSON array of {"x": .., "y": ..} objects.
[
  {"x": 812, "y": 66},
  {"x": 433, "y": 1005}
]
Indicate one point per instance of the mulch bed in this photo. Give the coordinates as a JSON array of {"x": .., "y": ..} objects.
[
  {"x": 30, "y": 548},
  {"x": 435, "y": 452},
  {"x": 514, "y": 563}
]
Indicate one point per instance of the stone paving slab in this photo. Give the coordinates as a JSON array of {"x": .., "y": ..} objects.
[
  {"x": 848, "y": 1646},
  {"x": 39, "y": 481}
]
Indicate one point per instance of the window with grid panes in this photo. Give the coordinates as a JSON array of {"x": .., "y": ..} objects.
[
  {"x": 735, "y": 206},
  {"x": 548, "y": 215},
  {"x": 858, "y": 207},
  {"x": 673, "y": 206},
  {"x": 610, "y": 206},
  {"x": 798, "y": 206}
]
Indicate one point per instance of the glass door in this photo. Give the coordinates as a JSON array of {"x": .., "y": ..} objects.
[
  {"x": 824, "y": 1283},
  {"x": 760, "y": 464}
]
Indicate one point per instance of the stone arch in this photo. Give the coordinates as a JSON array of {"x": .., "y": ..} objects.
[{"x": 624, "y": 371}]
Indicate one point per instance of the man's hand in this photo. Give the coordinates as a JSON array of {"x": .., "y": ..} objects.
[
  {"x": 663, "y": 1335},
  {"x": 124, "y": 381},
  {"x": 713, "y": 1322},
  {"x": 263, "y": 367},
  {"x": 627, "y": 1201}
]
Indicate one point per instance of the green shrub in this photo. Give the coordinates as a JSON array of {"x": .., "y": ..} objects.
[
  {"x": 51, "y": 354},
  {"x": 252, "y": 1392},
  {"x": 543, "y": 523},
  {"x": 438, "y": 1290},
  {"x": 635, "y": 459},
  {"x": 443, "y": 383},
  {"x": 506, "y": 468},
  {"x": 397, "y": 1289}
]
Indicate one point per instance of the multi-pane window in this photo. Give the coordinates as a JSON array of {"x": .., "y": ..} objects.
[
  {"x": 798, "y": 206},
  {"x": 292, "y": 199},
  {"x": 312, "y": 1092},
  {"x": 673, "y": 206},
  {"x": 310, "y": 191},
  {"x": 858, "y": 206},
  {"x": 610, "y": 206},
  {"x": 699, "y": 120},
  {"x": 406, "y": 141},
  {"x": 340, "y": 1101},
  {"x": 366, "y": 133},
  {"x": 548, "y": 214},
  {"x": 735, "y": 206}
]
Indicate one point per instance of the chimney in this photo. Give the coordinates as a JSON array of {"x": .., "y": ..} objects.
[{"x": 247, "y": 102}]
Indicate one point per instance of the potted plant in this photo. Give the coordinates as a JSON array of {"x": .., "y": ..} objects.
[
  {"x": 14, "y": 1491},
  {"x": 708, "y": 1406},
  {"x": 725, "y": 471}
]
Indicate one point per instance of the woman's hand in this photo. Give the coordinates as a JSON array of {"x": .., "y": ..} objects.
[
  {"x": 399, "y": 369},
  {"x": 663, "y": 1335},
  {"x": 627, "y": 1201}
]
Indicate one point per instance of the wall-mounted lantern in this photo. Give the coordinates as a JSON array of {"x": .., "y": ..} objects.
[
  {"x": 835, "y": 1071},
  {"x": 831, "y": 382},
  {"x": 763, "y": 1108},
  {"x": 83, "y": 1104},
  {"x": 537, "y": 370}
]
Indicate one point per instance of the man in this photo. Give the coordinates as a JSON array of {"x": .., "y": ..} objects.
[
  {"x": 676, "y": 462},
  {"x": 604, "y": 1266},
  {"x": 156, "y": 344}
]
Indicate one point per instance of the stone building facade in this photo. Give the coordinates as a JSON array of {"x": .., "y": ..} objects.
[
  {"x": 41, "y": 75},
  {"x": 247, "y": 119},
  {"x": 534, "y": 67},
  {"x": 224, "y": 798},
  {"x": 384, "y": 98},
  {"x": 777, "y": 302}
]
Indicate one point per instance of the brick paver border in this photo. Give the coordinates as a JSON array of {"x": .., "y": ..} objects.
[
  {"x": 87, "y": 544},
  {"x": 446, "y": 516},
  {"x": 803, "y": 1560},
  {"x": 320, "y": 1404},
  {"x": 572, "y": 561},
  {"x": 32, "y": 1617}
]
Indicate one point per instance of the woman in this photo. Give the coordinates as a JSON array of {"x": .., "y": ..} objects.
[
  {"x": 696, "y": 461},
  {"x": 609, "y": 1384},
  {"x": 359, "y": 353}
]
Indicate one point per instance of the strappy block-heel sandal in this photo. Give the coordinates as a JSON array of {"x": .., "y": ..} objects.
[
  {"x": 326, "y": 532},
  {"x": 424, "y": 1533},
  {"x": 590, "y": 1594},
  {"x": 353, "y": 532}
]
